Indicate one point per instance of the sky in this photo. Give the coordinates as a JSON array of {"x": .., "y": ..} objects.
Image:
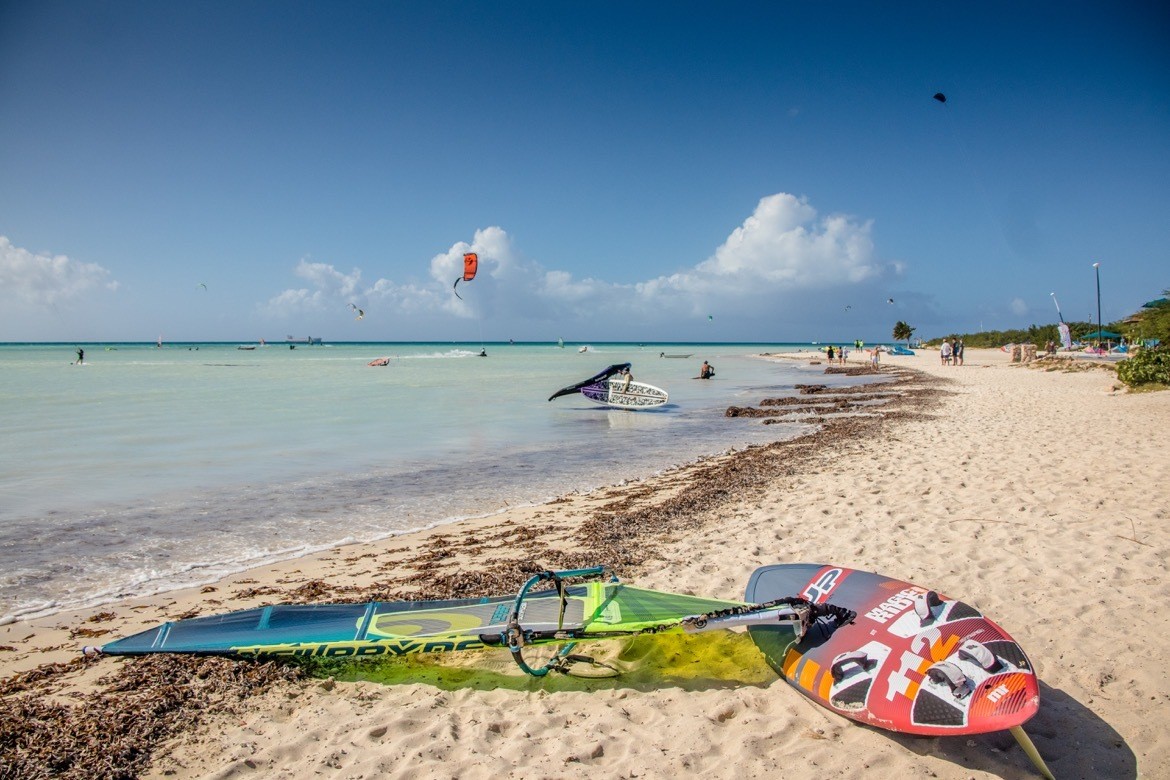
[{"x": 657, "y": 171}]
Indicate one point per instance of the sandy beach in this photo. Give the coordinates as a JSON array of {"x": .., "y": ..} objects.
[{"x": 1036, "y": 493}]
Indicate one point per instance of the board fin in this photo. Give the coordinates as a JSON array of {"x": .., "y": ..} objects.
[{"x": 1030, "y": 750}]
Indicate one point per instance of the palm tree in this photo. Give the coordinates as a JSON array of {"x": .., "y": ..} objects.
[{"x": 903, "y": 332}]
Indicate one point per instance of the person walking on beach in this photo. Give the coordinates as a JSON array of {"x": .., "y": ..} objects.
[
  {"x": 958, "y": 352},
  {"x": 831, "y": 353},
  {"x": 945, "y": 353},
  {"x": 875, "y": 357}
]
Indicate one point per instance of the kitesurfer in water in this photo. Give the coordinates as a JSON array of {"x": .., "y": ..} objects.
[
  {"x": 483, "y": 351},
  {"x": 80, "y": 356}
]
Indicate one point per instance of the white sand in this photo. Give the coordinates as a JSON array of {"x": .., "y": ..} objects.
[{"x": 1040, "y": 497}]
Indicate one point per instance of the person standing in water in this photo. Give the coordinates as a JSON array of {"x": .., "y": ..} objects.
[{"x": 80, "y": 356}]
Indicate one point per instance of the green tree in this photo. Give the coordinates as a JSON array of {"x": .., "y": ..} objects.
[
  {"x": 903, "y": 332},
  {"x": 1152, "y": 321}
]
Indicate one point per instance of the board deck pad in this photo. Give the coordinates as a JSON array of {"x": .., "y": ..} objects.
[
  {"x": 615, "y": 392},
  {"x": 913, "y": 661}
]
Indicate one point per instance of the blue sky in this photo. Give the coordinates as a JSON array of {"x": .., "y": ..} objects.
[{"x": 626, "y": 171}]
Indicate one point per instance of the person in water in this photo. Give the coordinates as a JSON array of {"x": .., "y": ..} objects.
[
  {"x": 706, "y": 371},
  {"x": 627, "y": 378},
  {"x": 80, "y": 356},
  {"x": 483, "y": 352}
]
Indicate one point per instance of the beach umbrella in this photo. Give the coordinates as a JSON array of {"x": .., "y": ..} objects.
[{"x": 1101, "y": 334}]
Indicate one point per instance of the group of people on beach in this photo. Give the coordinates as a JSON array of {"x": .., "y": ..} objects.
[
  {"x": 951, "y": 353},
  {"x": 840, "y": 353}
]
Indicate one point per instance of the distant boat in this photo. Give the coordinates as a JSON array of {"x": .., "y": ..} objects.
[
  {"x": 664, "y": 355},
  {"x": 561, "y": 343},
  {"x": 246, "y": 346},
  {"x": 159, "y": 342},
  {"x": 305, "y": 340}
]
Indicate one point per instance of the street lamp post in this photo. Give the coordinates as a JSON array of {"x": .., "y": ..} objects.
[{"x": 1097, "y": 268}]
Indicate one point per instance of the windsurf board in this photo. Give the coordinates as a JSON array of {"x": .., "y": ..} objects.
[
  {"x": 912, "y": 661},
  {"x": 626, "y": 395}
]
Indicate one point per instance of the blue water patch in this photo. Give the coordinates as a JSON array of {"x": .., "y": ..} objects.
[{"x": 150, "y": 468}]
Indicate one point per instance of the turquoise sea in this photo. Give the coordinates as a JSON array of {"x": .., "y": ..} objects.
[{"x": 150, "y": 468}]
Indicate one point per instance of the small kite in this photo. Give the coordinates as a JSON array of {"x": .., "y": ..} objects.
[
  {"x": 470, "y": 266},
  {"x": 890, "y": 301},
  {"x": 201, "y": 284},
  {"x": 357, "y": 311},
  {"x": 847, "y": 308},
  {"x": 940, "y": 97}
]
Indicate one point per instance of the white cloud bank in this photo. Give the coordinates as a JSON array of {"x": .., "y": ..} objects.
[
  {"x": 783, "y": 256},
  {"x": 42, "y": 279}
]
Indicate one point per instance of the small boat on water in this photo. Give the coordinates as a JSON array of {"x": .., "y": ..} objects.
[
  {"x": 664, "y": 355},
  {"x": 246, "y": 346}
]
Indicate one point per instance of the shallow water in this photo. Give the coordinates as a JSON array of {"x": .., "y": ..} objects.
[{"x": 148, "y": 469}]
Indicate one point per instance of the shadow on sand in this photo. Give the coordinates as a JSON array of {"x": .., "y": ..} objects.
[
  {"x": 1071, "y": 738},
  {"x": 1074, "y": 742}
]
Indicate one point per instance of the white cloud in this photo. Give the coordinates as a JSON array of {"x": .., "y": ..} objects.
[
  {"x": 780, "y": 253},
  {"x": 782, "y": 243},
  {"x": 783, "y": 254},
  {"x": 43, "y": 279},
  {"x": 330, "y": 288},
  {"x": 327, "y": 279}
]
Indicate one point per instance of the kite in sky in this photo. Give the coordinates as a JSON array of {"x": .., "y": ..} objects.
[
  {"x": 470, "y": 266},
  {"x": 201, "y": 284},
  {"x": 357, "y": 311},
  {"x": 940, "y": 97},
  {"x": 890, "y": 301}
]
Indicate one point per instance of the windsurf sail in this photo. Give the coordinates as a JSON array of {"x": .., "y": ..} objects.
[
  {"x": 563, "y": 615},
  {"x": 601, "y": 376}
]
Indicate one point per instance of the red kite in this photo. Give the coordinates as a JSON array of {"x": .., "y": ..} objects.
[{"x": 470, "y": 266}]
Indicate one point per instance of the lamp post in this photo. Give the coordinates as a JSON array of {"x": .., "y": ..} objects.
[
  {"x": 1058, "y": 314},
  {"x": 1097, "y": 268}
]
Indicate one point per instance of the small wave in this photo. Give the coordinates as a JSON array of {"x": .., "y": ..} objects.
[{"x": 453, "y": 353}]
